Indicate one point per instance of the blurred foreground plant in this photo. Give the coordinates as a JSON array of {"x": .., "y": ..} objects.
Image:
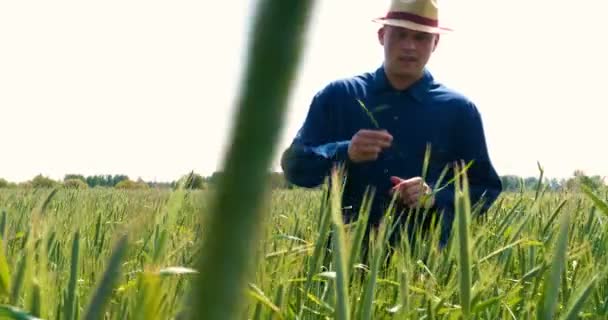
[{"x": 236, "y": 212}]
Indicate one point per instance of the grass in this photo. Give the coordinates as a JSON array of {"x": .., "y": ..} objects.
[
  {"x": 111, "y": 254},
  {"x": 242, "y": 252}
]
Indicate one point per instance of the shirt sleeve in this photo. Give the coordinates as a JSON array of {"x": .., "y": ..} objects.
[
  {"x": 315, "y": 148},
  {"x": 484, "y": 183}
]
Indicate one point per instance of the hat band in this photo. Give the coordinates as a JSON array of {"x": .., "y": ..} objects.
[{"x": 400, "y": 15}]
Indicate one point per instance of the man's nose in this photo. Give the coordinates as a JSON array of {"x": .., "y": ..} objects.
[{"x": 408, "y": 44}]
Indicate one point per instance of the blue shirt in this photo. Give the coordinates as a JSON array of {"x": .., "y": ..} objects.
[{"x": 425, "y": 113}]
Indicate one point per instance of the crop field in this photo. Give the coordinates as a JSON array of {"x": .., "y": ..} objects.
[
  {"x": 114, "y": 254},
  {"x": 243, "y": 251}
]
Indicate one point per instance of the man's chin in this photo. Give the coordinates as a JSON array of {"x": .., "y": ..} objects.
[{"x": 408, "y": 73}]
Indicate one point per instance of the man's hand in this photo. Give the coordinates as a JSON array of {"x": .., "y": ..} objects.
[
  {"x": 413, "y": 192},
  {"x": 367, "y": 144}
]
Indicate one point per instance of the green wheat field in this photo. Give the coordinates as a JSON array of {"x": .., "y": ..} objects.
[
  {"x": 104, "y": 253},
  {"x": 241, "y": 251}
]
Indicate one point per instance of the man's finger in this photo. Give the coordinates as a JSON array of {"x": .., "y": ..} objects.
[
  {"x": 413, "y": 197},
  {"x": 413, "y": 182},
  {"x": 381, "y": 135},
  {"x": 396, "y": 180},
  {"x": 420, "y": 188},
  {"x": 369, "y": 155},
  {"x": 369, "y": 149},
  {"x": 372, "y": 141},
  {"x": 411, "y": 203},
  {"x": 398, "y": 187}
]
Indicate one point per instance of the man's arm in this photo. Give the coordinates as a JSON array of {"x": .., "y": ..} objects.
[
  {"x": 484, "y": 182},
  {"x": 314, "y": 150}
]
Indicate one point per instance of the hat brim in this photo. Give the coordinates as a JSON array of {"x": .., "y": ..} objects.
[{"x": 412, "y": 25}]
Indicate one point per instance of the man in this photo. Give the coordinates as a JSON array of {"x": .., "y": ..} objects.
[{"x": 378, "y": 124}]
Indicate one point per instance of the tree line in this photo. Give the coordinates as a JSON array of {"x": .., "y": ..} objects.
[
  {"x": 573, "y": 183},
  {"x": 276, "y": 180},
  {"x": 191, "y": 180}
]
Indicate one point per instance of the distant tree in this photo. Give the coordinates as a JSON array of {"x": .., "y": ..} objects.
[
  {"x": 3, "y": 183},
  {"x": 553, "y": 184},
  {"x": 75, "y": 183},
  {"x": 531, "y": 183},
  {"x": 130, "y": 185},
  {"x": 93, "y": 181},
  {"x": 117, "y": 179},
  {"x": 194, "y": 181},
  {"x": 580, "y": 178},
  {"x": 104, "y": 180},
  {"x": 41, "y": 181},
  {"x": 74, "y": 176},
  {"x": 510, "y": 182},
  {"x": 191, "y": 180},
  {"x": 513, "y": 183},
  {"x": 161, "y": 185}
]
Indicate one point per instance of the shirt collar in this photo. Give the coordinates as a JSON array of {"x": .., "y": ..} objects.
[{"x": 417, "y": 90}]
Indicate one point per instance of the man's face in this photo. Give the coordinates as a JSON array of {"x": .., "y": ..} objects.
[{"x": 406, "y": 51}]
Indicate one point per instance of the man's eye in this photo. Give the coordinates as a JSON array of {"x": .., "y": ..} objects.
[
  {"x": 423, "y": 37},
  {"x": 402, "y": 35}
]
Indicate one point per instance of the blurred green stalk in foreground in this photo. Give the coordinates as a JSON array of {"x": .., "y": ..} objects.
[{"x": 232, "y": 228}]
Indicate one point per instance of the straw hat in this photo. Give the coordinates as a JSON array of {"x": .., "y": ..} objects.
[{"x": 420, "y": 15}]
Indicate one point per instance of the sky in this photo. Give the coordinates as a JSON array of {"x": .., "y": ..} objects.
[{"x": 148, "y": 88}]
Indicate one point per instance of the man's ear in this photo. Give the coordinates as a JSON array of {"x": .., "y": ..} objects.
[
  {"x": 436, "y": 42},
  {"x": 381, "y": 35}
]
